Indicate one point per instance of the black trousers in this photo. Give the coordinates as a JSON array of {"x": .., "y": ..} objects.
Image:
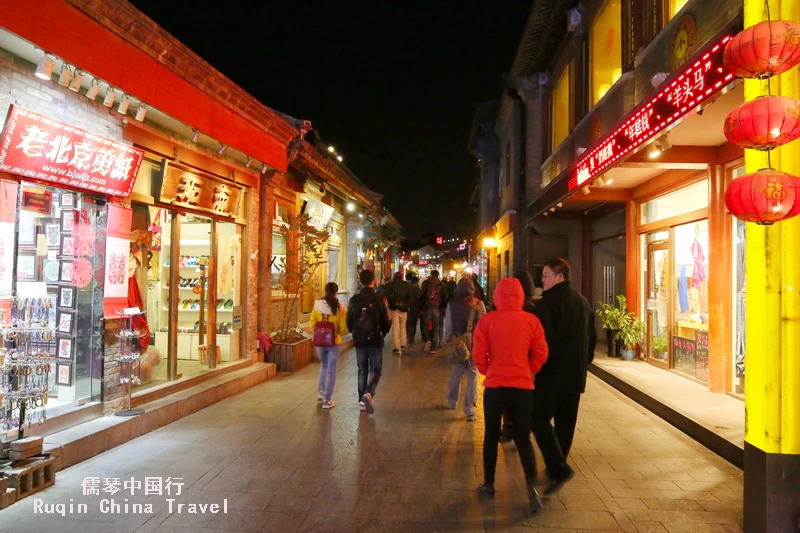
[
  {"x": 518, "y": 402},
  {"x": 554, "y": 442},
  {"x": 411, "y": 324},
  {"x": 370, "y": 363}
]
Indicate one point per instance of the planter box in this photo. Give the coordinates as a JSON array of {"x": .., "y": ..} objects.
[{"x": 291, "y": 357}]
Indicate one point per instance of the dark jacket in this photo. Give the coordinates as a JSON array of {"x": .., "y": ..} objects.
[
  {"x": 399, "y": 293},
  {"x": 479, "y": 293},
  {"x": 571, "y": 337},
  {"x": 423, "y": 293},
  {"x": 460, "y": 307},
  {"x": 363, "y": 300},
  {"x": 451, "y": 289},
  {"x": 414, "y": 298}
]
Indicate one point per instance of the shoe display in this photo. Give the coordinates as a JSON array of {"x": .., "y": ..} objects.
[{"x": 229, "y": 304}]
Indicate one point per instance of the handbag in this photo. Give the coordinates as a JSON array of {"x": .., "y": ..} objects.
[
  {"x": 324, "y": 333},
  {"x": 458, "y": 349}
]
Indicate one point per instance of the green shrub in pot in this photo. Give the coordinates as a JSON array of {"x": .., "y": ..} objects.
[{"x": 631, "y": 335}]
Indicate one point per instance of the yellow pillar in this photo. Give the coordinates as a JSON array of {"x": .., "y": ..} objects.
[{"x": 772, "y": 366}]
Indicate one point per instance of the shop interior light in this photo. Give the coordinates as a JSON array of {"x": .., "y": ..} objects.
[
  {"x": 361, "y": 215},
  {"x": 351, "y": 206},
  {"x": 653, "y": 152},
  {"x": 222, "y": 148},
  {"x": 249, "y": 162},
  {"x": 65, "y": 76},
  {"x": 586, "y": 189},
  {"x": 340, "y": 158},
  {"x": 488, "y": 242},
  {"x": 195, "y": 135},
  {"x": 360, "y": 234},
  {"x": 77, "y": 80},
  {"x": 123, "y": 104},
  {"x": 664, "y": 144},
  {"x": 108, "y": 101},
  {"x": 44, "y": 69},
  {"x": 94, "y": 88},
  {"x": 331, "y": 149}
]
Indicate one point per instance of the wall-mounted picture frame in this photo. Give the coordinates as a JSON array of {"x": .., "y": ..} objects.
[
  {"x": 27, "y": 229},
  {"x": 65, "y": 322},
  {"x": 66, "y": 297},
  {"x": 52, "y": 232},
  {"x": 64, "y": 374},
  {"x": 67, "y": 220},
  {"x": 65, "y": 348},
  {"x": 67, "y": 200},
  {"x": 26, "y": 266},
  {"x": 66, "y": 271},
  {"x": 67, "y": 245},
  {"x": 51, "y": 270}
]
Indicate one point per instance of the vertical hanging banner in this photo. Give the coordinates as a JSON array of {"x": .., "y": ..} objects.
[
  {"x": 8, "y": 234},
  {"x": 118, "y": 236}
]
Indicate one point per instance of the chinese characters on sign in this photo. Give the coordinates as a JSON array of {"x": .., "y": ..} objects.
[
  {"x": 318, "y": 213},
  {"x": 42, "y": 148},
  {"x": 688, "y": 89},
  {"x": 180, "y": 186}
]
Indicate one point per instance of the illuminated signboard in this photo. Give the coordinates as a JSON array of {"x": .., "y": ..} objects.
[
  {"x": 701, "y": 79},
  {"x": 439, "y": 240}
]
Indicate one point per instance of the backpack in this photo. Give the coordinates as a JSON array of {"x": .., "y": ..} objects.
[
  {"x": 400, "y": 302},
  {"x": 324, "y": 333},
  {"x": 459, "y": 348},
  {"x": 366, "y": 329},
  {"x": 434, "y": 296}
]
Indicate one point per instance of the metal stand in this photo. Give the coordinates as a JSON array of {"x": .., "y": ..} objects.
[{"x": 126, "y": 359}]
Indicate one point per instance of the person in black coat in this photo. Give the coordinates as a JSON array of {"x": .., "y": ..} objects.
[{"x": 568, "y": 323}]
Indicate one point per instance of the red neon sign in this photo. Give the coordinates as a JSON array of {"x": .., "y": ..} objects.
[
  {"x": 701, "y": 79},
  {"x": 40, "y": 147}
]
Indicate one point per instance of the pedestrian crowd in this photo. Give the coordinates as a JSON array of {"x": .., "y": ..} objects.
[{"x": 533, "y": 349}]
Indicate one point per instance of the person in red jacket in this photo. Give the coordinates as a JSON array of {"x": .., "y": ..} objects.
[{"x": 509, "y": 348}]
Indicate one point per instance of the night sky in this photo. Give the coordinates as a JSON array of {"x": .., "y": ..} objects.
[{"x": 392, "y": 85}]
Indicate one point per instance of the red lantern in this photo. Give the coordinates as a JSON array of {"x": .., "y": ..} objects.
[
  {"x": 764, "y": 123},
  {"x": 766, "y": 197},
  {"x": 766, "y": 49}
]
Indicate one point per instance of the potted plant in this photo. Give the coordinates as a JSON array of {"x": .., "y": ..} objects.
[
  {"x": 631, "y": 335},
  {"x": 660, "y": 346},
  {"x": 612, "y": 317},
  {"x": 291, "y": 349}
]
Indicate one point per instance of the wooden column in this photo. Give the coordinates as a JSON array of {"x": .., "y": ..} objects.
[
  {"x": 266, "y": 208},
  {"x": 633, "y": 267},
  {"x": 720, "y": 277}
]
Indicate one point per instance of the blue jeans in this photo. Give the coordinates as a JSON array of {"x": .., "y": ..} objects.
[
  {"x": 370, "y": 363},
  {"x": 433, "y": 314},
  {"x": 328, "y": 356},
  {"x": 471, "y": 393}
]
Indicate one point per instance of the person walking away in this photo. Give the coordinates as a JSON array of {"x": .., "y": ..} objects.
[
  {"x": 329, "y": 309},
  {"x": 413, "y": 311},
  {"x": 368, "y": 320},
  {"x": 451, "y": 287},
  {"x": 457, "y": 322},
  {"x": 526, "y": 281},
  {"x": 432, "y": 299},
  {"x": 568, "y": 324},
  {"x": 479, "y": 292},
  {"x": 509, "y": 348},
  {"x": 399, "y": 296}
]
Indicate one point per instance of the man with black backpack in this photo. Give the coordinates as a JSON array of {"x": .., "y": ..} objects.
[
  {"x": 432, "y": 299},
  {"x": 399, "y": 294},
  {"x": 368, "y": 320}
]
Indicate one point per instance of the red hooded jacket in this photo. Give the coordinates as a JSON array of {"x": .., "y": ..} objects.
[{"x": 509, "y": 346}]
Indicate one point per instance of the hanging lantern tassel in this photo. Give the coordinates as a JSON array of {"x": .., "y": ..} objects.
[
  {"x": 766, "y": 49},
  {"x": 764, "y": 123},
  {"x": 766, "y": 197}
]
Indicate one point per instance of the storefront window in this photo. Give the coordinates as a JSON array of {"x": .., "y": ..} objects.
[
  {"x": 674, "y": 7},
  {"x": 229, "y": 281},
  {"x": 739, "y": 296},
  {"x": 605, "y": 42},
  {"x": 60, "y": 238},
  {"x": 683, "y": 201},
  {"x": 561, "y": 108},
  {"x": 278, "y": 259},
  {"x": 690, "y": 333}
]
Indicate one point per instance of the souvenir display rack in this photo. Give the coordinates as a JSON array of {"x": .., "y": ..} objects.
[
  {"x": 129, "y": 359},
  {"x": 25, "y": 363}
]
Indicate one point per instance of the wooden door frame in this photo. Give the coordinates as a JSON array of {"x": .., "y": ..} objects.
[{"x": 662, "y": 245}]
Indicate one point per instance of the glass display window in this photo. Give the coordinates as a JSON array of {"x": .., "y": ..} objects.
[
  {"x": 58, "y": 252},
  {"x": 605, "y": 49},
  {"x": 561, "y": 113},
  {"x": 739, "y": 270},
  {"x": 682, "y": 201},
  {"x": 229, "y": 281}
]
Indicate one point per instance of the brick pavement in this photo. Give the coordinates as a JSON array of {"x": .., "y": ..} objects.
[{"x": 286, "y": 465}]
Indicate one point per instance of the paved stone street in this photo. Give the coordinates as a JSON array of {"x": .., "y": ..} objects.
[{"x": 286, "y": 465}]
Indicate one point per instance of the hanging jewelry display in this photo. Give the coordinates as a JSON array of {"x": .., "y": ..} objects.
[
  {"x": 25, "y": 363},
  {"x": 129, "y": 361}
]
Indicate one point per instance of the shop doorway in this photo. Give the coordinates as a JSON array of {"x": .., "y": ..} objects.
[{"x": 658, "y": 304}]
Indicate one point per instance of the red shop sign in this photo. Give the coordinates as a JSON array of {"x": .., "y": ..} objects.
[
  {"x": 39, "y": 147},
  {"x": 689, "y": 88}
]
